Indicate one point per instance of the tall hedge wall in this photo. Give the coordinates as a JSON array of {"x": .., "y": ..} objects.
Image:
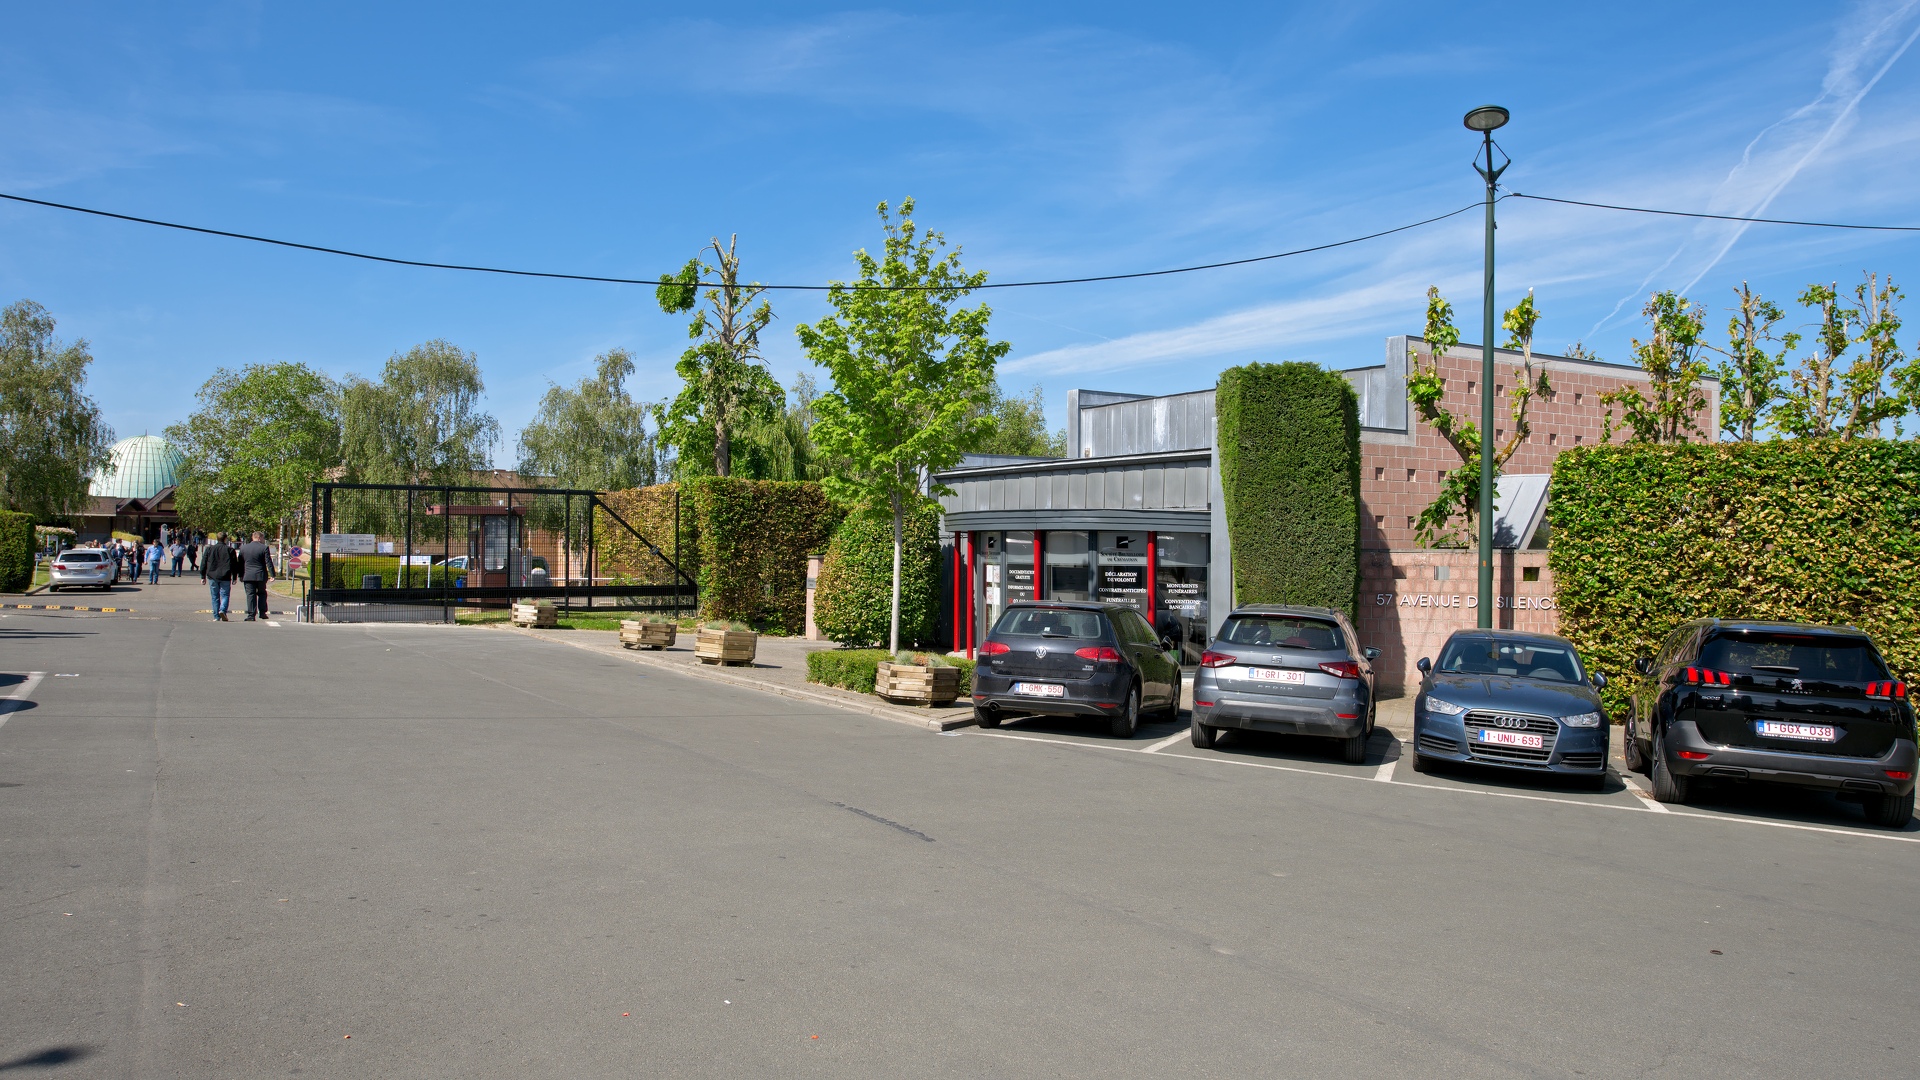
[
  {"x": 745, "y": 541},
  {"x": 16, "y": 551},
  {"x": 854, "y": 599},
  {"x": 1821, "y": 531},
  {"x": 1289, "y": 453}
]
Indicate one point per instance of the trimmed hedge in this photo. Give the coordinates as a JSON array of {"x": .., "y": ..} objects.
[
  {"x": 1289, "y": 453},
  {"x": 1646, "y": 537},
  {"x": 16, "y": 551},
  {"x": 856, "y": 669},
  {"x": 745, "y": 541},
  {"x": 853, "y": 599},
  {"x": 345, "y": 572}
]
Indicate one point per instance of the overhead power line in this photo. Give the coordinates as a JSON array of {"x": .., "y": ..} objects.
[
  {"x": 706, "y": 284},
  {"x": 1717, "y": 217}
]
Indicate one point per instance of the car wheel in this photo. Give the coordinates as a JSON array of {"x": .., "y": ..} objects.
[
  {"x": 1128, "y": 722},
  {"x": 1667, "y": 788},
  {"x": 1203, "y": 736},
  {"x": 1635, "y": 754},
  {"x": 1890, "y": 811},
  {"x": 1354, "y": 750},
  {"x": 986, "y": 717},
  {"x": 1422, "y": 763}
]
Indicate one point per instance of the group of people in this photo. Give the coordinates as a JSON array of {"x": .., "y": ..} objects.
[
  {"x": 225, "y": 561},
  {"x": 178, "y": 549}
]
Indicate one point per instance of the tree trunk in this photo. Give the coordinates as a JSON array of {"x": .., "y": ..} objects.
[
  {"x": 722, "y": 449},
  {"x": 893, "y": 619}
]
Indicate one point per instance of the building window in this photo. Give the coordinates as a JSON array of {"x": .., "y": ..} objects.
[
  {"x": 1577, "y": 439},
  {"x": 1122, "y": 565},
  {"x": 1552, "y": 437},
  {"x": 1379, "y": 521},
  {"x": 1180, "y": 591},
  {"x": 1069, "y": 577},
  {"x": 1411, "y": 473},
  {"x": 1529, "y": 573},
  {"x": 1380, "y": 472},
  {"x": 1410, "y": 521},
  {"x": 1577, "y": 398}
]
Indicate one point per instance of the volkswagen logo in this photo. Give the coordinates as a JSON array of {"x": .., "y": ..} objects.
[
  {"x": 1507, "y": 721},
  {"x": 1040, "y": 652}
]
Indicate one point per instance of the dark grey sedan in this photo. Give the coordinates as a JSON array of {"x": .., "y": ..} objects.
[{"x": 1513, "y": 701}]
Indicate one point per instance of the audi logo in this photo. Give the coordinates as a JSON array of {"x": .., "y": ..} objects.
[{"x": 1507, "y": 721}]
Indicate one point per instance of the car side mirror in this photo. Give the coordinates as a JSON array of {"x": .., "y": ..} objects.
[
  {"x": 1167, "y": 644},
  {"x": 1643, "y": 665},
  {"x": 1599, "y": 680},
  {"x": 1425, "y": 665},
  {"x": 1370, "y": 653}
]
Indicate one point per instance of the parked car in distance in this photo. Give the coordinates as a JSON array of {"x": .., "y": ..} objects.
[
  {"x": 1513, "y": 701},
  {"x": 77, "y": 568},
  {"x": 1075, "y": 659},
  {"x": 1292, "y": 670},
  {"x": 1812, "y": 706}
]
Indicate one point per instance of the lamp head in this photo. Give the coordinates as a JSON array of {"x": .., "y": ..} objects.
[{"x": 1486, "y": 118}]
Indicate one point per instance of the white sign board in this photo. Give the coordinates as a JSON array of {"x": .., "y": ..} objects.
[
  {"x": 345, "y": 544},
  {"x": 416, "y": 560}
]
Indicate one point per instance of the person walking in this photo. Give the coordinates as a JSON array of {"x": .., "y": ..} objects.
[
  {"x": 194, "y": 540},
  {"x": 178, "y": 553},
  {"x": 154, "y": 554},
  {"x": 218, "y": 569},
  {"x": 256, "y": 569}
]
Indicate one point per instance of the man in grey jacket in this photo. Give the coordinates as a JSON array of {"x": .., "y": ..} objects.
[
  {"x": 256, "y": 569},
  {"x": 218, "y": 569}
]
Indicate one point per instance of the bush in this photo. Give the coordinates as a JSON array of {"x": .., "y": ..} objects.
[
  {"x": 16, "y": 551},
  {"x": 1646, "y": 537},
  {"x": 853, "y": 598},
  {"x": 1289, "y": 452},
  {"x": 856, "y": 669},
  {"x": 345, "y": 572}
]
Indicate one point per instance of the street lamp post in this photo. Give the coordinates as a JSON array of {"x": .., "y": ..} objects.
[{"x": 1485, "y": 120}]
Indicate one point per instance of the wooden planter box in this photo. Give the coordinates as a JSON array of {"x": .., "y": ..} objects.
[
  {"x": 651, "y": 635},
  {"x": 725, "y": 646},
  {"x": 917, "y": 685},
  {"x": 536, "y": 615}
]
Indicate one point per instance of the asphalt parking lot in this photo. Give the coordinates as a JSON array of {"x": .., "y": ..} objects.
[{"x": 348, "y": 851}]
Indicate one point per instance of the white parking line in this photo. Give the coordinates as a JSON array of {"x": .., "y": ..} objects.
[
  {"x": 1641, "y": 794},
  {"x": 1384, "y": 773},
  {"x": 20, "y": 693},
  {"x": 1164, "y": 743}
]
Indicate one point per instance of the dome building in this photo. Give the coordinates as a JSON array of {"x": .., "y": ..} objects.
[{"x": 133, "y": 492}]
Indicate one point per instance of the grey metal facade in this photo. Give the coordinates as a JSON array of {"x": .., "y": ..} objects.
[
  {"x": 1144, "y": 425},
  {"x": 1169, "y": 491}
]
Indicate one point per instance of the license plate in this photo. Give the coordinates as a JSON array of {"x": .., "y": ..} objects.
[
  {"x": 1780, "y": 729},
  {"x": 1039, "y": 689},
  {"x": 1279, "y": 675},
  {"x": 1512, "y": 738}
]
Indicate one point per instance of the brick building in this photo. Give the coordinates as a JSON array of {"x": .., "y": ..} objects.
[{"x": 1135, "y": 514}]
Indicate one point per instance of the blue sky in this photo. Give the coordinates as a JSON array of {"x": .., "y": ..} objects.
[{"x": 1047, "y": 140}]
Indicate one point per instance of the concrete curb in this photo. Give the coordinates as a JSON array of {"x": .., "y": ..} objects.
[{"x": 929, "y": 720}]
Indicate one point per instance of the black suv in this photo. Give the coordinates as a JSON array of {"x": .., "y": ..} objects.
[
  {"x": 1808, "y": 705},
  {"x": 1065, "y": 659}
]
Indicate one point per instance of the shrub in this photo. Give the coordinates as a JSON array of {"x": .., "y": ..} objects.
[
  {"x": 854, "y": 595},
  {"x": 1289, "y": 452},
  {"x": 16, "y": 551},
  {"x": 856, "y": 669},
  {"x": 345, "y": 572},
  {"x": 1645, "y": 537}
]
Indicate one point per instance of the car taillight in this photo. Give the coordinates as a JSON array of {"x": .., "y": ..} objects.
[
  {"x": 1099, "y": 654},
  {"x": 994, "y": 648},
  {"x": 1341, "y": 669},
  {"x": 1693, "y": 755},
  {"x": 1889, "y": 690},
  {"x": 59, "y": 566},
  {"x": 1217, "y": 659},
  {"x": 1704, "y": 677},
  {"x": 1898, "y": 774}
]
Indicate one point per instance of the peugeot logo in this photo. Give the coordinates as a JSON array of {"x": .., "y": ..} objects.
[
  {"x": 1040, "y": 652},
  {"x": 1507, "y": 721}
]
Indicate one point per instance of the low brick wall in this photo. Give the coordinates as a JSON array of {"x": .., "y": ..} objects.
[{"x": 1411, "y": 600}]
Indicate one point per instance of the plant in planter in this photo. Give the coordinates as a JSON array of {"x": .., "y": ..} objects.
[
  {"x": 722, "y": 642},
  {"x": 651, "y": 631},
  {"x": 917, "y": 679}
]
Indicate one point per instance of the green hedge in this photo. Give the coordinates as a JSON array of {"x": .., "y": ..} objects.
[
  {"x": 1289, "y": 452},
  {"x": 856, "y": 669},
  {"x": 745, "y": 541},
  {"x": 1822, "y": 531},
  {"x": 345, "y": 572},
  {"x": 16, "y": 551},
  {"x": 853, "y": 599}
]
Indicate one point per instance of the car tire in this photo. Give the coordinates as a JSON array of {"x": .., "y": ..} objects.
[
  {"x": 1422, "y": 763},
  {"x": 1127, "y": 723},
  {"x": 1636, "y": 755},
  {"x": 1667, "y": 788},
  {"x": 986, "y": 717},
  {"x": 1890, "y": 811},
  {"x": 1203, "y": 736},
  {"x": 1353, "y": 751}
]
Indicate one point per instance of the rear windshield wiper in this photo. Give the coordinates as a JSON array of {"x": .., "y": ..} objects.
[{"x": 1784, "y": 669}]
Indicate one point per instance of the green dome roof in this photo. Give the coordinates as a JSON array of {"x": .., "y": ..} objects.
[{"x": 142, "y": 467}]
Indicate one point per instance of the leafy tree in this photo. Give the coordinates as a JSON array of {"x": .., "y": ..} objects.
[
  {"x": 912, "y": 376},
  {"x": 1020, "y": 426},
  {"x": 1869, "y": 398},
  {"x": 1460, "y": 491},
  {"x": 421, "y": 423},
  {"x": 1672, "y": 357},
  {"x": 254, "y": 447},
  {"x": 52, "y": 437},
  {"x": 1750, "y": 379},
  {"x": 727, "y": 384},
  {"x": 1812, "y": 408},
  {"x": 593, "y": 435}
]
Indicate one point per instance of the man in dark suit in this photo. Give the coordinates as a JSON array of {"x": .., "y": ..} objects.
[
  {"x": 256, "y": 569},
  {"x": 218, "y": 569}
]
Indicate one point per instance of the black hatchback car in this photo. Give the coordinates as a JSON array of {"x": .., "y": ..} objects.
[
  {"x": 1070, "y": 659},
  {"x": 1813, "y": 706}
]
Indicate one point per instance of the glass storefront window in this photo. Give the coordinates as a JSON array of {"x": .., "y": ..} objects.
[
  {"x": 1019, "y": 566},
  {"x": 1122, "y": 564},
  {"x": 1180, "y": 590},
  {"x": 1069, "y": 577}
]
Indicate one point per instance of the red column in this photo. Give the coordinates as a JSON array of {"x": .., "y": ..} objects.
[
  {"x": 970, "y": 597},
  {"x": 1151, "y": 563},
  {"x": 1039, "y": 561},
  {"x": 956, "y": 592}
]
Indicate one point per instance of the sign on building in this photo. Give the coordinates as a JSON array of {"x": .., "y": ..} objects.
[{"x": 345, "y": 544}]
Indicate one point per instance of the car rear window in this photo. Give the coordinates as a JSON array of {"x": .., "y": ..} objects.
[
  {"x": 1050, "y": 622},
  {"x": 1796, "y": 656},
  {"x": 1282, "y": 632},
  {"x": 80, "y": 556},
  {"x": 1517, "y": 659}
]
